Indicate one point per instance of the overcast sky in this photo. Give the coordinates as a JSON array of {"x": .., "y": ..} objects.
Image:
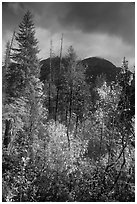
[{"x": 105, "y": 30}]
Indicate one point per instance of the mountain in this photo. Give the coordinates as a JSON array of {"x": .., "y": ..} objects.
[
  {"x": 94, "y": 67},
  {"x": 98, "y": 66}
]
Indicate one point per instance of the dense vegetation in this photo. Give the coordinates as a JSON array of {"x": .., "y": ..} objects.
[{"x": 66, "y": 137}]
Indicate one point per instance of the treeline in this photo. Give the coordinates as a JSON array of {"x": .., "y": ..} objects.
[{"x": 65, "y": 137}]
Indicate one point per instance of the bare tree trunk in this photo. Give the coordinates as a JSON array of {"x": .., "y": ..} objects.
[
  {"x": 102, "y": 131},
  {"x": 101, "y": 136},
  {"x": 7, "y": 135},
  {"x": 76, "y": 125},
  {"x": 61, "y": 52},
  {"x": 66, "y": 115},
  {"x": 70, "y": 112},
  {"x": 7, "y": 62},
  {"x": 56, "y": 109},
  {"x": 70, "y": 104},
  {"x": 68, "y": 136},
  {"x": 57, "y": 98},
  {"x": 50, "y": 78}
]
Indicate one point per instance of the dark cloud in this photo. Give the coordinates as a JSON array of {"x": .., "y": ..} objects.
[
  {"x": 114, "y": 18},
  {"x": 93, "y": 28},
  {"x": 12, "y": 14},
  {"x": 45, "y": 14}
]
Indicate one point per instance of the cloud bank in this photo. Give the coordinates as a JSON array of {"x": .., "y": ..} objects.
[{"x": 94, "y": 29}]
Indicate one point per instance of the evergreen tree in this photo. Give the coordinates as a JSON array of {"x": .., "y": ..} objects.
[
  {"x": 26, "y": 63},
  {"x": 26, "y": 54},
  {"x": 25, "y": 112}
]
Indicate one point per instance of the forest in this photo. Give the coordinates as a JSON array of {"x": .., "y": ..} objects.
[{"x": 68, "y": 131}]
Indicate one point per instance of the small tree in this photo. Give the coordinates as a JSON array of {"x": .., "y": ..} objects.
[{"x": 76, "y": 92}]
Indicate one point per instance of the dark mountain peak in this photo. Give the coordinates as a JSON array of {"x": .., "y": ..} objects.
[
  {"x": 98, "y": 61},
  {"x": 96, "y": 66}
]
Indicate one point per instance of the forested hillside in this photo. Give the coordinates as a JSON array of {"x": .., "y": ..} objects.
[
  {"x": 94, "y": 67},
  {"x": 68, "y": 125}
]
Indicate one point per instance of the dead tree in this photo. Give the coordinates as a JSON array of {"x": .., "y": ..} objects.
[
  {"x": 5, "y": 68},
  {"x": 57, "y": 96},
  {"x": 50, "y": 77},
  {"x": 8, "y": 132}
]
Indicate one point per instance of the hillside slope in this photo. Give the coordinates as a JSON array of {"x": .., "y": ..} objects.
[
  {"x": 98, "y": 66},
  {"x": 94, "y": 67}
]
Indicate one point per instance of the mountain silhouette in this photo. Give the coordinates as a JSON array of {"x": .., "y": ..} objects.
[{"x": 94, "y": 67}]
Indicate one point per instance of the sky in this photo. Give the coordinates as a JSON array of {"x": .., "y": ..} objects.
[{"x": 101, "y": 29}]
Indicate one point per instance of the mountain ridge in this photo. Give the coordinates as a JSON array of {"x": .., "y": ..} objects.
[{"x": 95, "y": 66}]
